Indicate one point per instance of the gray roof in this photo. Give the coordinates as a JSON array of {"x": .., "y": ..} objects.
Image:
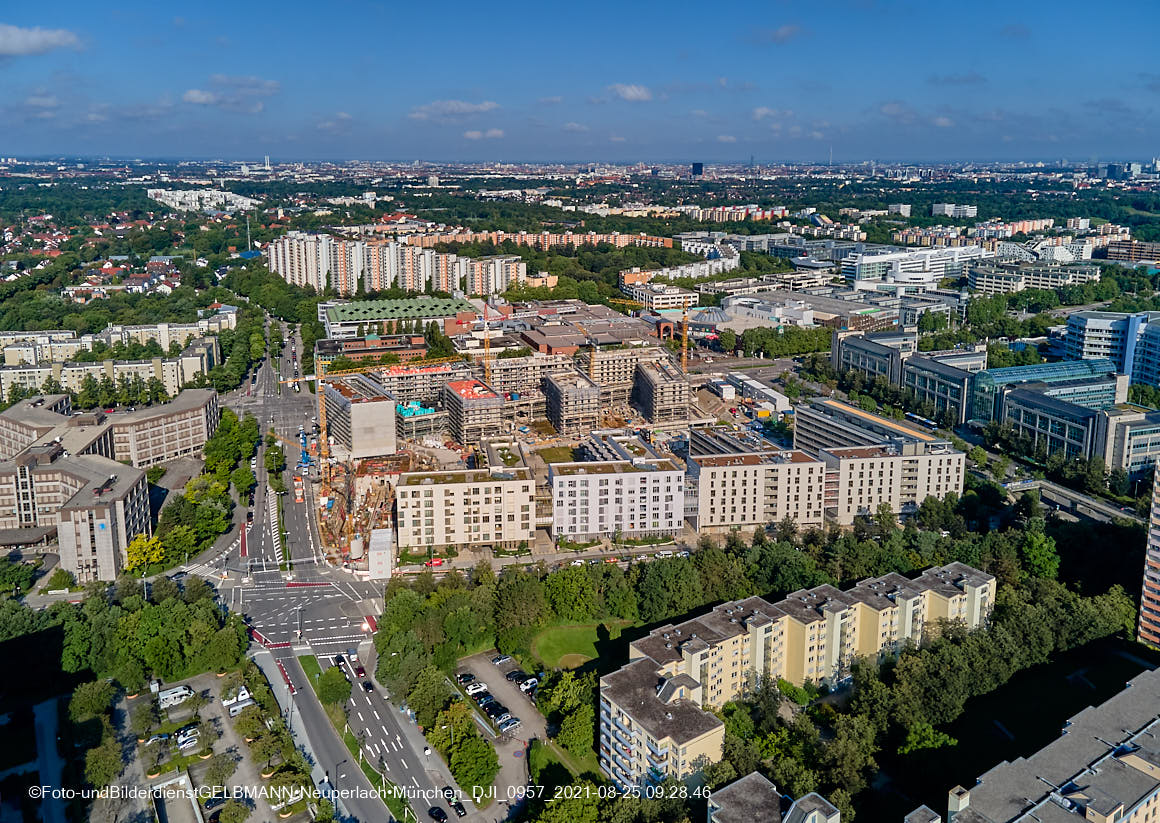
[
  {"x": 936, "y": 367},
  {"x": 634, "y": 689},
  {"x": 746, "y": 800}
]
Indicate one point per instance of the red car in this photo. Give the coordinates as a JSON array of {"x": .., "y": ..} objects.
[{"x": 434, "y": 561}]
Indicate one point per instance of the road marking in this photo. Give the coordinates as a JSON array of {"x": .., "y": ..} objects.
[
  {"x": 416, "y": 782},
  {"x": 360, "y": 717},
  {"x": 376, "y": 711}
]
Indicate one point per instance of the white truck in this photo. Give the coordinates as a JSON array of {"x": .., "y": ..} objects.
[{"x": 239, "y": 696}]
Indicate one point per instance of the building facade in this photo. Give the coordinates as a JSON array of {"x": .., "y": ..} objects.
[
  {"x": 465, "y": 509},
  {"x": 641, "y": 498}
]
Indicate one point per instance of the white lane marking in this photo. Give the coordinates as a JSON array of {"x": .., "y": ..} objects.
[
  {"x": 404, "y": 762},
  {"x": 376, "y": 711}
]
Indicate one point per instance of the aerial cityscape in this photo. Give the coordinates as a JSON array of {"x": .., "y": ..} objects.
[{"x": 742, "y": 418}]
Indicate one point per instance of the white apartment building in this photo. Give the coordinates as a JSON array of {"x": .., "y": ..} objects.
[
  {"x": 465, "y": 509},
  {"x": 302, "y": 259},
  {"x": 859, "y": 479},
  {"x": 953, "y": 210},
  {"x": 726, "y": 491},
  {"x": 642, "y": 498},
  {"x": 493, "y": 275},
  {"x": 1008, "y": 279},
  {"x": 202, "y": 199},
  {"x": 658, "y": 297}
]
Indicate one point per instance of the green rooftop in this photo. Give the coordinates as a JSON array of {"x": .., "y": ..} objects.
[{"x": 408, "y": 308}]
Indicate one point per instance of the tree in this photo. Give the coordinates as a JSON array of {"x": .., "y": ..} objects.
[
  {"x": 220, "y": 769},
  {"x": 143, "y": 552},
  {"x": 925, "y": 736},
  {"x": 249, "y": 723},
  {"x": 333, "y": 687},
  {"x": 90, "y": 700},
  {"x": 144, "y": 718},
  {"x": 103, "y": 763},
  {"x": 978, "y": 456},
  {"x": 234, "y": 811},
  {"x": 429, "y": 696},
  {"x": 266, "y": 748},
  {"x": 728, "y": 340},
  {"x": 474, "y": 763},
  {"x": 576, "y": 731},
  {"x": 1038, "y": 551}
]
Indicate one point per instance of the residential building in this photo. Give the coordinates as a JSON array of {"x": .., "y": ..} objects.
[
  {"x": 1010, "y": 278},
  {"x": 859, "y": 479},
  {"x": 753, "y": 798},
  {"x": 654, "y": 712},
  {"x": 202, "y": 200},
  {"x": 420, "y": 384},
  {"x": 360, "y": 417},
  {"x": 543, "y": 240},
  {"x": 167, "y": 431},
  {"x": 474, "y": 411},
  {"x": 747, "y": 489},
  {"x": 494, "y": 274},
  {"x": 613, "y": 368},
  {"x": 524, "y": 375},
  {"x": 634, "y": 499},
  {"x": 1101, "y": 768},
  {"x": 902, "y": 209},
  {"x": 302, "y": 259},
  {"x": 465, "y": 509},
  {"x": 1133, "y": 251},
  {"x": 953, "y": 210},
  {"x": 661, "y": 391},
  {"x": 662, "y": 296},
  {"x": 1149, "y": 626},
  {"x": 573, "y": 402}
]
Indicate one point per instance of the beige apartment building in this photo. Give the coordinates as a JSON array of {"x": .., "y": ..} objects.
[
  {"x": 465, "y": 509},
  {"x": 901, "y": 475},
  {"x": 728, "y": 491},
  {"x": 678, "y": 672}
]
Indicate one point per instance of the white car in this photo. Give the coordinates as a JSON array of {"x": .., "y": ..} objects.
[{"x": 476, "y": 688}]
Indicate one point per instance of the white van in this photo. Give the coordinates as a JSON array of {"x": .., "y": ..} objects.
[
  {"x": 238, "y": 707},
  {"x": 665, "y": 553}
]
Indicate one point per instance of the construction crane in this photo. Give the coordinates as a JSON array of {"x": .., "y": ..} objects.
[
  {"x": 632, "y": 304},
  {"x": 324, "y": 375},
  {"x": 487, "y": 347},
  {"x": 685, "y": 340}
]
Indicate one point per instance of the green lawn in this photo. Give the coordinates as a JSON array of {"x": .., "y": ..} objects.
[
  {"x": 570, "y": 646},
  {"x": 309, "y": 664},
  {"x": 557, "y": 454}
]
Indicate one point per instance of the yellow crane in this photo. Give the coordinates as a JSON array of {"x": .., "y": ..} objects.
[
  {"x": 632, "y": 304},
  {"x": 323, "y": 375},
  {"x": 685, "y": 341}
]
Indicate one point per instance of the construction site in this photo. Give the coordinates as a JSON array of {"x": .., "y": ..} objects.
[{"x": 565, "y": 369}]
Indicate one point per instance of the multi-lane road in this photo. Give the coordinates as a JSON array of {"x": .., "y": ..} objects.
[{"x": 297, "y": 603}]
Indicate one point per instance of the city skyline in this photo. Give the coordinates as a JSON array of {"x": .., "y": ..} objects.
[{"x": 783, "y": 82}]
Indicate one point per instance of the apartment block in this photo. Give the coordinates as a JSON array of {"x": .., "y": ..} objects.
[
  {"x": 953, "y": 210},
  {"x": 522, "y": 375},
  {"x": 573, "y": 402},
  {"x": 420, "y": 384},
  {"x": 345, "y": 320},
  {"x": 902, "y": 209},
  {"x": 474, "y": 411},
  {"x": 662, "y": 296},
  {"x": 493, "y": 275},
  {"x": 101, "y": 518},
  {"x": 153, "y": 435},
  {"x": 1101, "y": 769},
  {"x": 661, "y": 391},
  {"x": 1133, "y": 251},
  {"x": 654, "y": 711},
  {"x": 360, "y": 417},
  {"x": 465, "y": 509},
  {"x": 753, "y": 797},
  {"x": 638, "y": 498},
  {"x": 1131, "y": 341},
  {"x": 859, "y": 479},
  {"x": 1149, "y": 626},
  {"x": 729, "y": 491}
]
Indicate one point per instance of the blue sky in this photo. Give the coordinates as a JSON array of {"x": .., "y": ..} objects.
[{"x": 780, "y": 80}]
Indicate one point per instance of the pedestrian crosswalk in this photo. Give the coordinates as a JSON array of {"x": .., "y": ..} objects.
[{"x": 275, "y": 532}]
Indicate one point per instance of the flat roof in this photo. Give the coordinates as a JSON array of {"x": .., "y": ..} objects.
[
  {"x": 878, "y": 420},
  {"x": 186, "y": 400},
  {"x": 463, "y": 476},
  {"x": 753, "y": 458},
  {"x": 612, "y": 467},
  {"x": 404, "y": 308}
]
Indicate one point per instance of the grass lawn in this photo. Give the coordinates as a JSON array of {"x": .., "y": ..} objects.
[
  {"x": 570, "y": 646},
  {"x": 557, "y": 454},
  {"x": 309, "y": 664}
]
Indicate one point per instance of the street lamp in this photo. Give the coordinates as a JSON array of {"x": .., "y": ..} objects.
[{"x": 451, "y": 729}]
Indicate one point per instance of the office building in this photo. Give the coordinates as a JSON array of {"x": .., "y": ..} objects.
[
  {"x": 953, "y": 210},
  {"x": 1129, "y": 437},
  {"x": 1101, "y": 768},
  {"x": 167, "y": 431},
  {"x": 943, "y": 386},
  {"x": 777, "y": 307},
  {"x": 1133, "y": 251},
  {"x": 874, "y": 355},
  {"x": 654, "y": 712},
  {"x": 360, "y": 417},
  {"x": 1093, "y": 383},
  {"x": 474, "y": 411},
  {"x": 909, "y": 271},
  {"x": 633, "y": 499},
  {"x": 1131, "y": 341},
  {"x": 465, "y": 509},
  {"x": 573, "y": 402},
  {"x": 1010, "y": 278},
  {"x": 1051, "y": 425},
  {"x": 661, "y": 391}
]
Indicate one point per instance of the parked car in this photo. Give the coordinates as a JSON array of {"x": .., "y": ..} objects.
[
  {"x": 215, "y": 801},
  {"x": 457, "y": 807},
  {"x": 665, "y": 553},
  {"x": 484, "y": 699},
  {"x": 503, "y": 718},
  {"x": 360, "y": 671},
  {"x": 499, "y": 660},
  {"x": 529, "y": 685},
  {"x": 516, "y": 675},
  {"x": 434, "y": 561},
  {"x": 509, "y": 724},
  {"x": 463, "y": 678},
  {"x": 437, "y": 814},
  {"x": 494, "y": 710},
  {"x": 338, "y": 660},
  {"x": 576, "y": 563},
  {"x": 476, "y": 687},
  {"x": 683, "y": 553},
  {"x": 157, "y": 738}
]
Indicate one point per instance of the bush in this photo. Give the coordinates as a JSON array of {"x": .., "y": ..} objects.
[{"x": 795, "y": 693}]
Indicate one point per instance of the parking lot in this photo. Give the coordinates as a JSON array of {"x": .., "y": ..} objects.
[{"x": 511, "y": 748}]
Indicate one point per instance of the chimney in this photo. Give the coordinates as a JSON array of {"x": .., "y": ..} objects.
[{"x": 957, "y": 799}]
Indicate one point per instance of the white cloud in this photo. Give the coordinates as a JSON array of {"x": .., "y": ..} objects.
[
  {"x": 726, "y": 138},
  {"x": 42, "y": 101},
  {"x": 943, "y": 122},
  {"x": 240, "y": 93},
  {"x": 616, "y": 139},
  {"x": 575, "y": 127},
  {"x": 490, "y": 134},
  {"x": 782, "y": 34},
  {"x": 18, "y": 42},
  {"x": 631, "y": 92},
  {"x": 337, "y": 123},
  {"x": 550, "y": 101},
  {"x": 765, "y": 112},
  {"x": 447, "y": 109}
]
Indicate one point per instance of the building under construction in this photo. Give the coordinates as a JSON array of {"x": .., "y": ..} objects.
[
  {"x": 474, "y": 411},
  {"x": 517, "y": 375},
  {"x": 573, "y": 402},
  {"x": 613, "y": 369},
  {"x": 360, "y": 417},
  {"x": 422, "y": 384},
  {"x": 661, "y": 391}
]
